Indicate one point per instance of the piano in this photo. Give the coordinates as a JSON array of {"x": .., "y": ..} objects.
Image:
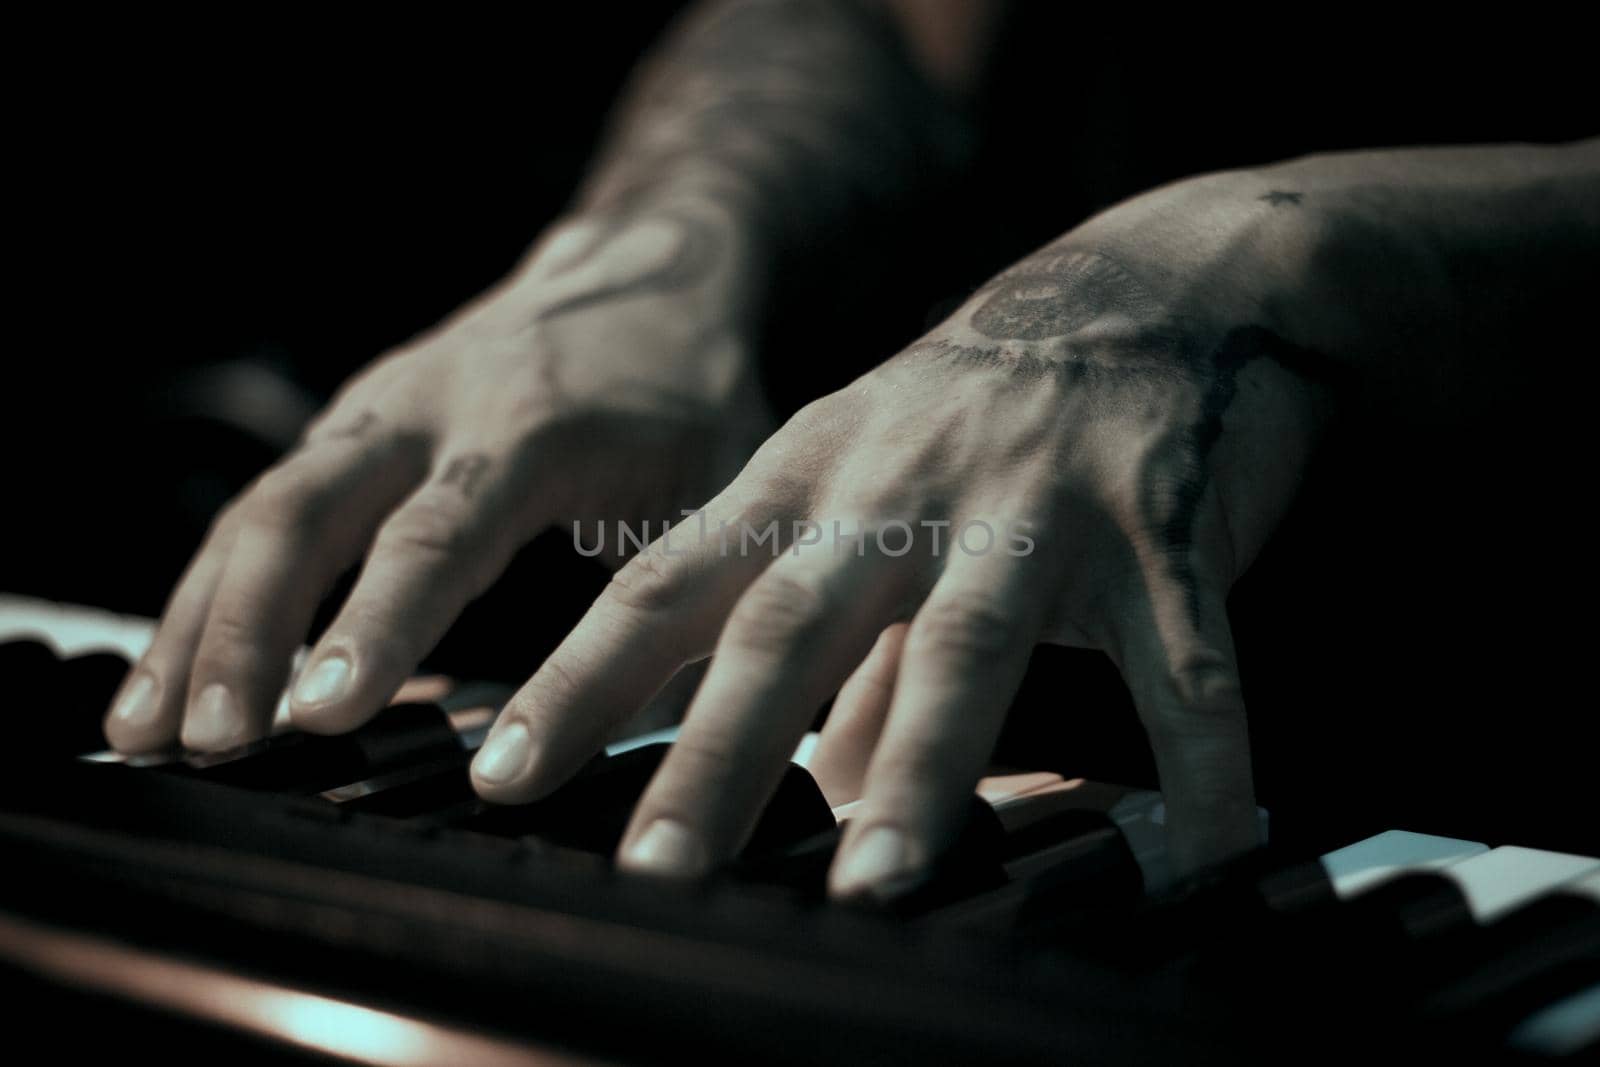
[{"x": 348, "y": 900}]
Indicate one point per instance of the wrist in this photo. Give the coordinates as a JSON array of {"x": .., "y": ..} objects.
[
  {"x": 729, "y": 228},
  {"x": 675, "y": 259}
]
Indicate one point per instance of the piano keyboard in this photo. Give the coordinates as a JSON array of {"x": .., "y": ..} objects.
[{"x": 357, "y": 880}]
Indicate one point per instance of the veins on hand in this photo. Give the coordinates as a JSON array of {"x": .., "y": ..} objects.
[
  {"x": 694, "y": 251},
  {"x": 1281, "y": 198}
]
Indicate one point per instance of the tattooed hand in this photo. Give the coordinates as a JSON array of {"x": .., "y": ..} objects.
[
  {"x": 1082, "y": 455},
  {"x": 608, "y": 377}
]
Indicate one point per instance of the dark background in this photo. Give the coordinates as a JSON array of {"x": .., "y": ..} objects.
[{"x": 297, "y": 195}]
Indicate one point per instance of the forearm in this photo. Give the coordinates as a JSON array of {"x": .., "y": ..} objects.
[
  {"x": 1427, "y": 275},
  {"x": 794, "y": 118}
]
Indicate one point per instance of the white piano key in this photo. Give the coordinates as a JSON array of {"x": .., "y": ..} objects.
[
  {"x": 1503, "y": 879},
  {"x": 1365, "y": 864},
  {"x": 73, "y": 630}
]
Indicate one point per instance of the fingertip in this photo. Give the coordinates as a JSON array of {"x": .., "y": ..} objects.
[
  {"x": 875, "y": 862},
  {"x": 325, "y": 698},
  {"x": 326, "y": 679},
  {"x": 339, "y": 717},
  {"x": 502, "y": 771},
  {"x": 667, "y": 848},
  {"x": 133, "y": 724},
  {"x": 215, "y": 721}
]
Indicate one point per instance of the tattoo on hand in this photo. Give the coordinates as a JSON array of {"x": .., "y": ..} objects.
[
  {"x": 465, "y": 472},
  {"x": 1172, "y": 501},
  {"x": 1056, "y": 293},
  {"x": 1280, "y": 198},
  {"x": 1053, "y": 293}
]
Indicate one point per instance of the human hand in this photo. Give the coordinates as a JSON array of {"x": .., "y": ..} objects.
[
  {"x": 609, "y": 376},
  {"x": 1089, "y": 453}
]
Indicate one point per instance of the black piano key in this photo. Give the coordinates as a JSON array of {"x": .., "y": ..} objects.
[
  {"x": 1423, "y": 906},
  {"x": 797, "y": 811},
  {"x": 28, "y": 670},
  {"x": 988, "y": 875},
  {"x": 974, "y": 864},
  {"x": 1229, "y": 912},
  {"x": 1535, "y": 956},
  {"x": 1065, "y": 863},
  {"x": 802, "y": 867},
  {"x": 591, "y": 812},
  {"x": 89, "y": 682},
  {"x": 436, "y": 790},
  {"x": 400, "y": 736},
  {"x": 58, "y": 705}
]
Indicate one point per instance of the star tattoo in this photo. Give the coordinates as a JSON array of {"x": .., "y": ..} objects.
[{"x": 1277, "y": 197}]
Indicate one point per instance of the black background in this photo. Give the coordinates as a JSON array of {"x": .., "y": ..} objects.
[{"x": 306, "y": 194}]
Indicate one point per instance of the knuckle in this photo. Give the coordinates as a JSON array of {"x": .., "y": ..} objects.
[
  {"x": 431, "y": 529},
  {"x": 231, "y": 639},
  {"x": 779, "y": 610},
  {"x": 967, "y": 627},
  {"x": 648, "y": 582},
  {"x": 1208, "y": 688},
  {"x": 1205, "y": 706},
  {"x": 283, "y": 500},
  {"x": 705, "y": 760}
]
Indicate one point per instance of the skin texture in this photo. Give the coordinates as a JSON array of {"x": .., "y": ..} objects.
[
  {"x": 1144, "y": 394},
  {"x": 608, "y": 379},
  {"x": 1109, "y": 415},
  {"x": 530, "y": 408},
  {"x": 1141, "y": 395}
]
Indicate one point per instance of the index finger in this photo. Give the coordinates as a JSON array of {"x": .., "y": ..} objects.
[{"x": 660, "y": 612}]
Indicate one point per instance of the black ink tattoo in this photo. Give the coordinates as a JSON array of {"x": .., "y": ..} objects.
[
  {"x": 465, "y": 472},
  {"x": 1279, "y": 197},
  {"x": 1054, "y": 293},
  {"x": 1108, "y": 379},
  {"x": 1141, "y": 355},
  {"x": 1172, "y": 502}
]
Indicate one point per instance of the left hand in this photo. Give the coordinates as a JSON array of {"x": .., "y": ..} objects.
[{"x": 1128, "y": 450}]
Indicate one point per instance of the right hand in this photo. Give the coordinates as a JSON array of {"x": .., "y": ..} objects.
[{"x": 608, "y": 379}]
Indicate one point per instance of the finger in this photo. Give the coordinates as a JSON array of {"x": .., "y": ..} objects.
[
  {"x": 964, "y": 657},
  {"x": 661, "y": 611},
  {"x": 444, "y": 546},
  {"x": 795, "y": 634},
  {"x": 148, "y": 707},
  {"x": 856, "y": 719},
  {"x": 298, "y": 528},
  {"x": 1175, "y": 649}
]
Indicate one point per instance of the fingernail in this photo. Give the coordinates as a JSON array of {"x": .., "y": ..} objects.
[
  {"x": 138, "y": 706},
  {"x": 324, "y": 681},
  {"x": 505, "y": 756},
  {"x": 666, "y": 847},
  {"x": 214, "y": 720},
  {"x": 882, "y": 855}
]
